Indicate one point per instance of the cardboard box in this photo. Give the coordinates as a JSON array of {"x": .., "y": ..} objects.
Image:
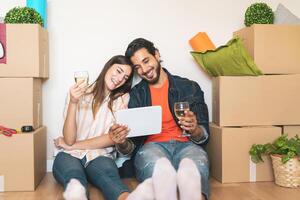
[
  {"x": 262, "y": 100},
  {"x": 21, "y": 102},
  {"x": 291, "y": 131},
  {"x": 23, "y": 160},
  {"x": 228, "y": 151},
  {"x": 274, "y": 48},
  {"x": 26, "y": 51}
]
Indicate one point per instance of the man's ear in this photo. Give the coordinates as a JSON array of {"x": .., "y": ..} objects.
[
  {"x": 157, "y": 55},
  {"x": 1, "y": 50}
]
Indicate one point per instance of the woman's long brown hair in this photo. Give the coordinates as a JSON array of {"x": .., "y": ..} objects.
[{"x": 98, "y": 90}]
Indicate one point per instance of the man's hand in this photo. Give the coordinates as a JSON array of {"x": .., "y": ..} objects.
[
  {"x": 189, "y": 122},
  {"x": 61, "y": 144},
  {"x": 118, "y": 133}
]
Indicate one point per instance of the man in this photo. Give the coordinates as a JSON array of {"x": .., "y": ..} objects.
[{"x": 159, "y": 87}]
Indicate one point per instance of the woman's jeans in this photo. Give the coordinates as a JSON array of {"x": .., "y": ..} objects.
[
  {"x": 101, "y": 172},
  {"x": 175, "y": 151}
]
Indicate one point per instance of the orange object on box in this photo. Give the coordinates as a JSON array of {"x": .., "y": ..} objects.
[{"x": 201, "y": 42}]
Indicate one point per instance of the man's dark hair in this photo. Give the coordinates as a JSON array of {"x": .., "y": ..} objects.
[{"x": 138, "y": 44}]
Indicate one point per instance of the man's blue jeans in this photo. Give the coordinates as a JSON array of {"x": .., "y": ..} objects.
[
  {"x": 101, "y": 172},
  {"x": 175, "y": 151}
]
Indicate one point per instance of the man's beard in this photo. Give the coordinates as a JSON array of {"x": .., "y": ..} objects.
[{"x": 154, "y": 81}]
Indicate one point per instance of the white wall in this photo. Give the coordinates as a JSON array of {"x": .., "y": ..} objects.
[{"x": 85, "y": 34}]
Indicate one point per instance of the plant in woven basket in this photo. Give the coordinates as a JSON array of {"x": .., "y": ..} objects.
[
  {"x": 259, "y": 13},
  {"x": 23, "y": 15},
  {"x": 287, "y": 148}
]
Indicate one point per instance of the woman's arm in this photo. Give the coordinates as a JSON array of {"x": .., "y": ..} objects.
[
  {"x": 70, "y": 127},
  {"x": 98, "y": 142}
]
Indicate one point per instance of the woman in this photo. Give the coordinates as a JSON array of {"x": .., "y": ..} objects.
[{"x": 87, "y": 147}]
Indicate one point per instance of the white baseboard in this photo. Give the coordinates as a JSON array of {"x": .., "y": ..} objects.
[
  {"x": 49, "y": 165},
  {"x": 1, "y": 183}
]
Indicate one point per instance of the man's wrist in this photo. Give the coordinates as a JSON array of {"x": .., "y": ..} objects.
[
  {"x": 125, "y": 148},
  {"x": 123, "y": 145},
  {"x": 197, "y": 133}
]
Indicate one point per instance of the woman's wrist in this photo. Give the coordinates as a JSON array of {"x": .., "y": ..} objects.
[
  {"x": 111, "y": 139},
  {"x": 71, "y": 147},
  {"x": 72, "y": 102}
]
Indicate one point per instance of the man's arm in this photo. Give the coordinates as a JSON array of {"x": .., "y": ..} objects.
[
  {"x": 196, "y": 121},
  {"x": 201, "y": 112}
]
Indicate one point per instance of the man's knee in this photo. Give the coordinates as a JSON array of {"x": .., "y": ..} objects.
[
  {"x": 148, "y": 154},
  {"x": 145, "y": 160},
  {"x": 144, "y": 165}
]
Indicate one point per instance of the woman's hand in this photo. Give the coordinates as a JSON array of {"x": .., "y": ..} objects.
[
  {"x": 118, "y": 133},
  {"x": 61, "y": 144},
  {"x": 77, "y": 91}
]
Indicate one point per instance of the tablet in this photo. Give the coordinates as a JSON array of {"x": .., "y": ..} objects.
[{"x": 141, "y": 121}]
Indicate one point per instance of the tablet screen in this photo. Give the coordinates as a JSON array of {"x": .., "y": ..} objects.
[{"x": 141, "y": 121}]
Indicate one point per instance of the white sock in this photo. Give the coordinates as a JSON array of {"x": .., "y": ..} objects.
[
  {"x": 75, "y": 191},
  {"x": 164, "y": 180},
  {"x": 189, "y": 180},
  {"x": 144, "y": 191}
]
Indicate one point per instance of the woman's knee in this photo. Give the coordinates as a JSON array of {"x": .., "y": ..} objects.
[
  {"x": 66, "y": 167},
  {"x": 102, "y": 165}
]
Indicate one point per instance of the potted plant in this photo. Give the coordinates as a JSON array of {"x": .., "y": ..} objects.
[
  {"x": 259, "y": 13},
  {"x": 285, "y": 154},
  {"x": 23, "y": 15}
]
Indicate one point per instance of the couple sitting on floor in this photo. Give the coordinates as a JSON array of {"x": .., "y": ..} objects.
[{"x": 92, "y": 145}]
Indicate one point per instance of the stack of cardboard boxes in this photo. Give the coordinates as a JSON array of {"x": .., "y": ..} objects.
[
  {"x": 24, "y": 65},
  {"x": 255, "y": 110}
]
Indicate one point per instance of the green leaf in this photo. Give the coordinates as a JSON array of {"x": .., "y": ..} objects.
[
  {"x": 298, "y": 150},
  {"x": 256, "y": 159},
  {"x": 291, "y": 154},
  {"x": 285, "y": 159},
  {"x": 258, "y": 13},
  {"x": 23, "y": 15}
]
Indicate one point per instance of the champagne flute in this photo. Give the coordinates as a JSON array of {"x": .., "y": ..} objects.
[
  {"x": 82, "y": 76},
  {"x": 180, "y": 108}
]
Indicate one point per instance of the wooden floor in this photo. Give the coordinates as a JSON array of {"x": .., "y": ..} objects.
[{"x": 50, "y": 190}]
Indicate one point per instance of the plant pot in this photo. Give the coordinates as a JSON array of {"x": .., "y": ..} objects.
[{"x": 288, "y": 174}]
